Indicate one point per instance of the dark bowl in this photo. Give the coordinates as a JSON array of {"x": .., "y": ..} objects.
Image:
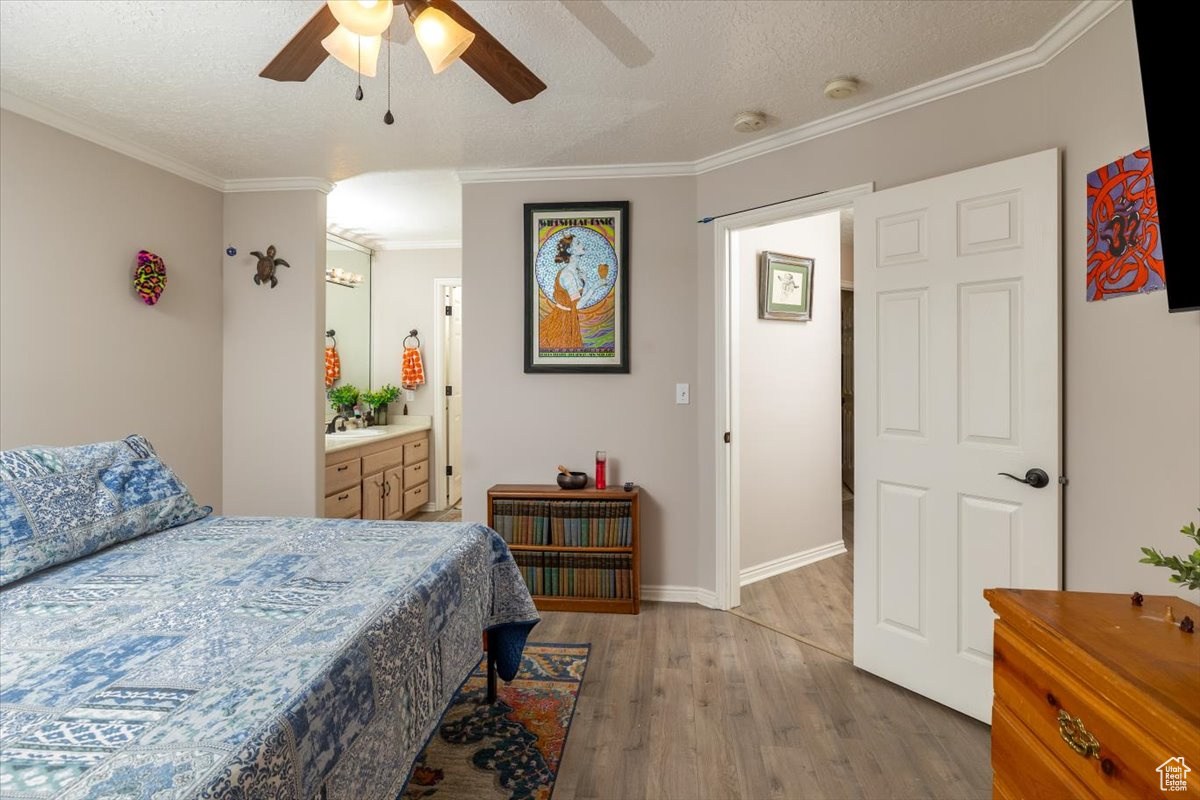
[{"x": 576, "y": 480}]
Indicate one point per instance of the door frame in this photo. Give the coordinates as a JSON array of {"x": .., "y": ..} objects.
[
  {"x": 438, "y": 354},
  {"x": 727, "y": 391}
]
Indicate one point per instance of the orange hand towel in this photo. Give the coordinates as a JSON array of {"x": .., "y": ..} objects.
[
  {"x": 333, "y": 366},
  {"x": 412, "y": 372}
]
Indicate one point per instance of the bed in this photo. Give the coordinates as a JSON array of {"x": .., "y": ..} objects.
[{"x": 244, "y": 657}]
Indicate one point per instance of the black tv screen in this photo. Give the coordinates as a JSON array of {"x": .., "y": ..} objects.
[{"x": 1155, "y": 22}]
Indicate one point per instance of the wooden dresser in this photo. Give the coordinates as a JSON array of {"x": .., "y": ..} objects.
[
  {"x": 387, "y": 479},
  {"x": 1093, "y": 695}
]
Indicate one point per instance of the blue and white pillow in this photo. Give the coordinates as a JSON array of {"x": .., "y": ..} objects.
[{"x": 60, "y": 503}]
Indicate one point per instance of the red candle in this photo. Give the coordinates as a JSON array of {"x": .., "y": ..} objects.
[{"x": 601, "y": 466}]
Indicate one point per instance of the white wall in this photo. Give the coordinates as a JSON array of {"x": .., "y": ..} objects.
[
  {"x": 790, "y": 417},
  {"x": 274, "y": 368},
  {"x": 403, "y": 299},
  {"x": 517, "y": 427},
  {"x": 82, "y": 358}
]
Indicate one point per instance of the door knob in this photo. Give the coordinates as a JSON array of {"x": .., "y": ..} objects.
[{"x": 1037, "y": 478}]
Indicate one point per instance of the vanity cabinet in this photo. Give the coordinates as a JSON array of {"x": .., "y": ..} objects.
[{"x": 386, "y": 479}]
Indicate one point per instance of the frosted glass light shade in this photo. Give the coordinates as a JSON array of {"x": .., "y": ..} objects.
[
  {"x": 343, "y": 45},
  {"x": 442, "y": 39},
  {"x": 362, "y": 17}
]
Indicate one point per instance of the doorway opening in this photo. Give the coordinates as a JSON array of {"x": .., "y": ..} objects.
[
  {"x": 740, "y": 502},
  {"x": 447, "y": 415},
  {"x": 795, "y": 572}
]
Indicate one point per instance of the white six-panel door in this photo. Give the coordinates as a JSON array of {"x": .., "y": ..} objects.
[{"x": 956, "y": 319}]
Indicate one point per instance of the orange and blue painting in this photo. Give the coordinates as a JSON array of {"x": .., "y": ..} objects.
[
  {"x": 578, "y": 283},
  {"x": 1124, "y": 248}
]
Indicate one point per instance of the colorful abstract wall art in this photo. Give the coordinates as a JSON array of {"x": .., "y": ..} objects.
[
  {"x": 1124, "y": 251},
  {"x": 577, "y": 287}
]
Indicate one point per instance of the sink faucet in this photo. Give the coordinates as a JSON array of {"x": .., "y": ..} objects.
[{"x": 330, "y": 427}]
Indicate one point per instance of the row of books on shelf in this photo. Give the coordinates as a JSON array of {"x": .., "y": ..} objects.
[
  {"x": 602, "y": 575},
  {"x": 564, "y": 523}
]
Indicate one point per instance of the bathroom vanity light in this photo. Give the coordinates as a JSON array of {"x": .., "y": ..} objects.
[{"x": 342, "y": 277}]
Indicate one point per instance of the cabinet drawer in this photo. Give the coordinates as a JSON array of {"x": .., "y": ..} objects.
[
  {"x": 416, "y": 497},
  {"x": 382, "y": 460},
  {"x": 417, "y": 473},
  {"x": 1021, "y": 767},
  {"x": 343, "y": 475},
  {"x": 1047, "y": 700},
  {"x": 344, "y": 504},
  {"x": 416, "y": 451}
]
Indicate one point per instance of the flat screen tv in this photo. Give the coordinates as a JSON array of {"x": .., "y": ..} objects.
[{"x": 1155, "y": 21}]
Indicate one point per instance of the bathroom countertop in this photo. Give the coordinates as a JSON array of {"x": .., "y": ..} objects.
[{"x": 409, "y": 425}]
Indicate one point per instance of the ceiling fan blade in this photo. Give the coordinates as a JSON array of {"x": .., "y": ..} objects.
[
  {"x": 492, "y": 60},
  {"x": 303, "y": 54}
]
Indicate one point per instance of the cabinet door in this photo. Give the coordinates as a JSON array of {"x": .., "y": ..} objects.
[
  {"x": 372, "y": 496},
  {"x": 393, "y": 496}
]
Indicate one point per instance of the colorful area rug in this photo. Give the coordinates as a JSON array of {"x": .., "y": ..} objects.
[{"x": 511, "y": 749}]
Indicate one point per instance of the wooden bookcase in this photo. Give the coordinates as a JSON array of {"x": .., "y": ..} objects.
[{"x": 551, "y": 494}]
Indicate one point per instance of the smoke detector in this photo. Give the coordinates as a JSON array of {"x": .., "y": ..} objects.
[
  {"x": 749, "y": 121},
  {"x": 841, "y": 88}
]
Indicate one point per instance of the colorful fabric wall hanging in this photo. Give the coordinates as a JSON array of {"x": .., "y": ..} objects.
[{"x": 150, "y": 278}]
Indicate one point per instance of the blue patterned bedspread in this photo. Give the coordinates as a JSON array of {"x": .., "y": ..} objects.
[{"x": 248, "y": 658}]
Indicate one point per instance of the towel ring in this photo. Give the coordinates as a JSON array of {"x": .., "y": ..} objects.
[
  {"x": 331, "y": 334},
  {"x": 411, "y": 335}
]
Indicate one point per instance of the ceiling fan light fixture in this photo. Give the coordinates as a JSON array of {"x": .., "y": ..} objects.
[
  {"x": 442, "y": 39},
  {"x": 362, "y": 17},
  {"x": 343, "y": 45}
]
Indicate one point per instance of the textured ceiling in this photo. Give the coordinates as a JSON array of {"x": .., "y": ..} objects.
[
  {"x": 387, "y": 209},
  {"x": 629, "y": 81}
]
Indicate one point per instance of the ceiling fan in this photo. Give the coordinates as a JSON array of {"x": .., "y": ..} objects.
[{"x": 351, "y": 31}]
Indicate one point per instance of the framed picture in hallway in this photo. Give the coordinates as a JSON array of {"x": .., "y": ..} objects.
[
  {"x": 784, "y": 287},
  {"x": 577, "y": 287}
]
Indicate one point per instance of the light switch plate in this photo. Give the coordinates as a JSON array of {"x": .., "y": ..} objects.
[{"x": 683, "y": 394}]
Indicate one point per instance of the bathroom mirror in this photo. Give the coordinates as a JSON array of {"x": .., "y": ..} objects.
[{"x": 348, "y": 310}]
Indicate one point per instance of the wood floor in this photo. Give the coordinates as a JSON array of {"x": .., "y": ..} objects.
[
  {"x": 815, "y": 602},
  {"x": 686, "y": 702}
]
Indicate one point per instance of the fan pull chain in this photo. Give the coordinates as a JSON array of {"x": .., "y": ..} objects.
[
  {"x": 358, "y": 95},
  {"x": 388, "y": 119}
]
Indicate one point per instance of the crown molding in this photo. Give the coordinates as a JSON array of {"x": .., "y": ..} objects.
[
  {"x": 277, "y": 185},
  {"x": 90, "y": 133},
  {"x": 444, "y": 244},
  {"x": 1081, "y": 19},
  {"x": 352, "y": 238}
]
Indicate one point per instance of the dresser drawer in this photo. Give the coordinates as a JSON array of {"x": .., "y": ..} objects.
[
  {"x": 415, "y": 498},
  {"x": 1022, "y": 768},
  {"x": 343, "y": 475},
  {"x": 416, "y": 451},
  {"x": 1052, "y": 704},
  {"x": 382, "y": 460},
  {"x": 344, "y": 504},
  {"x": 416, "y": 474}
]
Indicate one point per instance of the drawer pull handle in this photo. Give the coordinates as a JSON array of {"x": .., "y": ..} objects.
[
  {"x": 1076, "y": 736},
  {"x": 343, "y": 468},
  {"x": 343, "y": 496}
]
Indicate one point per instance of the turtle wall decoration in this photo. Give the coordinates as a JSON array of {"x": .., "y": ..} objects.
[{"x": 266, "y": 266}]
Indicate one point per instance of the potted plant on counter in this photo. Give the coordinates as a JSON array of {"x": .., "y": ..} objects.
[
  {"x": 342, "y": 398},
  {"x": 379, "y": 402}
]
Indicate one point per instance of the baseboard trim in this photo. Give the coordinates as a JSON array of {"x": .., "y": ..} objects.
[
  {"x": 680, "y": 594},
  {"x": 778, "y": 566}
]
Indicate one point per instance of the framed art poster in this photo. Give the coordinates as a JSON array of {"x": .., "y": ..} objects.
[
  {"x": 784, "y": 287},
  {"x": 577, "y": 287},
  {"x": 1124, "y": 250}
]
